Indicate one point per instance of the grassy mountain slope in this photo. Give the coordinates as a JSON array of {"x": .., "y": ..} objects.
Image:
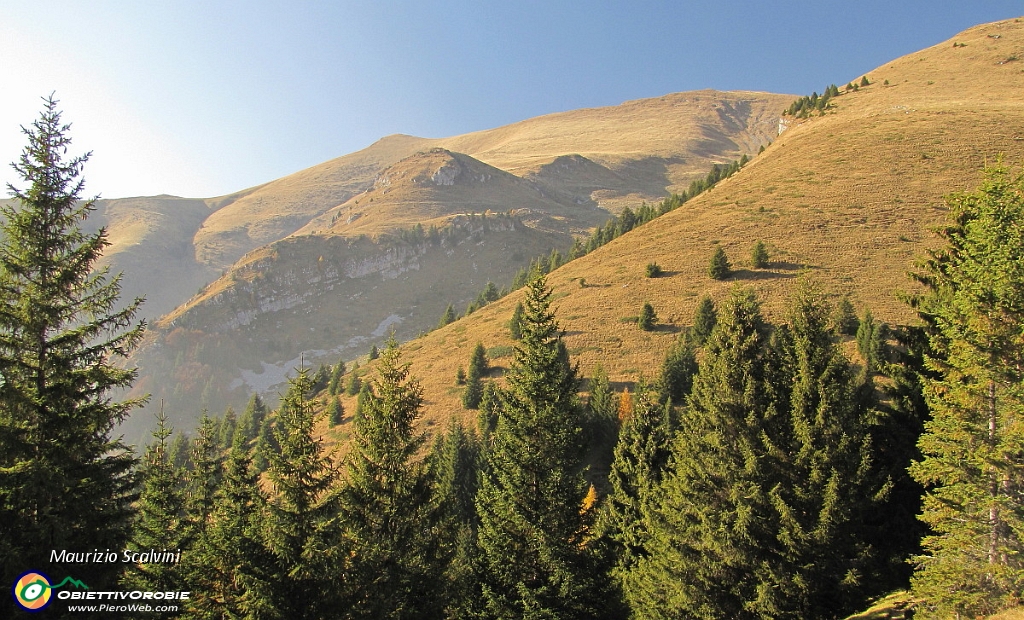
[
  {"x": 849, "y": 199},
  {"x": 656, "y": 143},
  {"x": 295, "y": 298}
]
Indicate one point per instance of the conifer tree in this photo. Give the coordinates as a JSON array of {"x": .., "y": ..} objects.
[
  {"x": 823, "y": 485},
  {"x": 201, "y": 483},
  {"x": 704, "y": 551},
  {"x": 454, "y": 470},
  {"x": 871, "y": 337},
  {"x": 353, "y": 384},
  {"x": 719, "y": 268},
  {"x": 487, "y": 417},
  {"x": 474, "y": 378},
  {"x": 759, "y": 255},
  {"x": 647, "y": 317},
  {"x": 301, "y": 529},
  {"x": 252, "y": 419},
  {"x": 233, "y": 580},
  {"x": 640, "y": 459},
  {"x": 335, "y": 412},
  {"x": 602, "y": 421},
  {"x": 973, "y": 446},
  {"x": 228, "y": 426},
  {"x": 374, "y": 352},
  {"x": 337, "y": 372},
  {"x": 264, "y": 445},
  {"x": 844, "y": 318},
  {"x": 531, "y": 531},
  {"x": 160, "y": 522},
  {"x": 678, "y": 370},
  {"x": 515, "y": 324},
  {"x": 704, "y": 320},
  {"x": 65, "y": 481},
  {"x": 447, "y": 317},
  {"x": 385, "y": 504},
  {"x": 178, "y": 453}
]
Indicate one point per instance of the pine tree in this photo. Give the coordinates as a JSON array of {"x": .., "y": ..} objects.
[
  {"x": 385, "y": 504},
  {"x": 160, "y": 522},
  {"x": 474, "y": 378},
  {"x": 719, "y": 268},
  {"x": 531, "y": 531},
  {"x": 647, "y": 317},
  {"x": 374, "y": 352},
  {"x": 301, "y": 529},
  {"x": 65, "y": 481},
  {"x": 759, "y": 256},
  {"x": 704, "y": 320},
  {"x": 973, "y": 444}
]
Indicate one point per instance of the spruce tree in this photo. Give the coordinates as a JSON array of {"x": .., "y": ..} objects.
[
  {"x": 353, "y": 384},
  {"x": 640, "y": 460},
  {"x": 824, "y": 490},
  {"x": 385, "y": 503},
  {"x": 531, "y": 535},
  {"x": 201, "y": 484},
  {"x": 335, "y": 412},
  {"x": 301, "y": 527},
  {"x": 704, "y": 319},
  {"x": 337, "y": 372},
  {"x": 719, "y": 268},
  {"x": 972, "y": 445},
  {"x": 252, "y": 419},
  {"x": 844, "y": 319},
  {"x": 65, "y": 480},
  {"x": 759, "y": 255},
  {"x": 678, "y": 370},
  {"x": 602, "y": 423},
  {"x": 233, "y": 580},
  {"x": 647, "y": 317},
  {"x": 160, "y": 522},
  {"x": 474, "y": 378},
  {"x": 228, "y": 426},
  {"x": 515, "y": 324},
  {"x": 447, "y": 317},
  {"x": 454, "y": 472},
  {"x": 704, "y": 555}
]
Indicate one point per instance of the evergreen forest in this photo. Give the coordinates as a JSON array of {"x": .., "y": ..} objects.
[{"x": 763, "y": 469}]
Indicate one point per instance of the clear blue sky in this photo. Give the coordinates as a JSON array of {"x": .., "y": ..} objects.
[{"x": 204, "y": 98}]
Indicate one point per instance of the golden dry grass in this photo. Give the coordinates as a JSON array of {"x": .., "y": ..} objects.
[
  {"x": 657, "y": 143},
  {"x": 847, "y": 201}
]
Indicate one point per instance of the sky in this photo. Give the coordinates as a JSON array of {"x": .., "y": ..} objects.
[{"x": 204, "y": 98}]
